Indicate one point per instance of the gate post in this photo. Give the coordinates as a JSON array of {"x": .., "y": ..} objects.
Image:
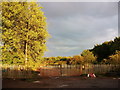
[{"x": 60, "y": 69}]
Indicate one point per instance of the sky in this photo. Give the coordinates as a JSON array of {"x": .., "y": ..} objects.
[{"x": 77, "y": 26}]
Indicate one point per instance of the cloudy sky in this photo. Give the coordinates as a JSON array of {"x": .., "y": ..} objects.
[{"x": 76, "y": 26}]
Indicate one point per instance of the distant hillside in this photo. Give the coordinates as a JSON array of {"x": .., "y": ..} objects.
[{"x": 102, "y": 51}]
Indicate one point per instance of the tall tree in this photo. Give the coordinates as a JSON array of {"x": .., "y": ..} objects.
[{"x": 24, "y": 32}]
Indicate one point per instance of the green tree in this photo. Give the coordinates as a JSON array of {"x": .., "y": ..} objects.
[
  {"x": 24, "y": 32},
  {"x": 78, "y": 59},
  {"x": 104, "y": 50},
  {"x": 88, "y": 56},
  {"x": 114, "y": 59}
]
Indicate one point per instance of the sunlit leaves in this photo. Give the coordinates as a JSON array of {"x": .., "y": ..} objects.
[
  {"x": 115, "y": 59},
  {"x": 23, "y": 22},
  {"x": 88, "y": 56}
]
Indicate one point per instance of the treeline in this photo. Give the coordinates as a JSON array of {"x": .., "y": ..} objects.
[
  {"x": 85, "y": 57},
  {"x": 107, "y": 53},
  {"x": 107, "y": 49}
]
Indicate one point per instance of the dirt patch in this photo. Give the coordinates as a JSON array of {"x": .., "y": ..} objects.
[{"x": 63, "y": 82}]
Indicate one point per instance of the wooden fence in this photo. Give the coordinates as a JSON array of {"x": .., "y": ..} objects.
[
  {"x": 13, "y": 71},
  {"x": 76, "y": 70},
  {"x": 60, "y": 70},
  {"x": 100, "y": 68}
]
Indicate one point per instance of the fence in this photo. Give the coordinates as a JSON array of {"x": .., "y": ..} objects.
[
  {"x": 13, "y": 71},
  {"x": 100, "y": 68},
  {"x": 60, "y": 70},
  {"x": 76, "y": 70}
]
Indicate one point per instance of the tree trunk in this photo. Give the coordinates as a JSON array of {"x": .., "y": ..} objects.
[
  {"x": 26, "y": 58},
  {"x": 25, "y": 51}
]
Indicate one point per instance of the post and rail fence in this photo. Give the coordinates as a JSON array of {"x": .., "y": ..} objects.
[{"x": 13, "y": 71}]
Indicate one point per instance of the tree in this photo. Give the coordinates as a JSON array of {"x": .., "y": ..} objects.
[
  {"x": 104, "y": 50},
  {"x": 88, "y": 56},
  {"x": 77, "y": 59},
  {"x": 114, "y": 59},
  {"x": 24, "y": 32}
]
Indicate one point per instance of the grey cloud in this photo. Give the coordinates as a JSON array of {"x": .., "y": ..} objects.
[
  {"x": 64, "y": 9},
  {"x": 75, "y": 27}
]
